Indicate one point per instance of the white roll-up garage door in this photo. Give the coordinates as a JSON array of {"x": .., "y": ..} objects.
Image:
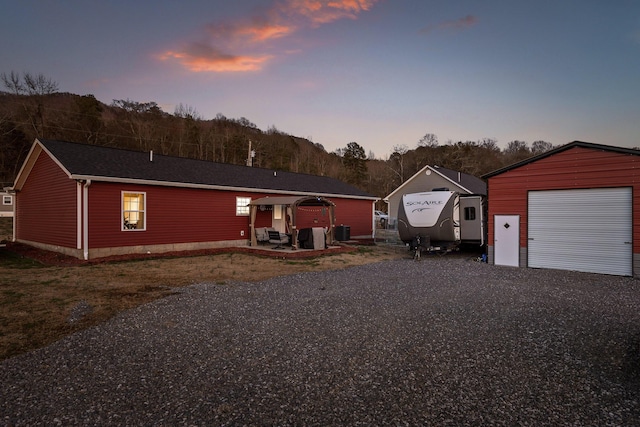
[{"x": 583, "y": 230}]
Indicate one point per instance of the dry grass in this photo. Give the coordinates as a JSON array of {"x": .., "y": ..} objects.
[{"x": 37, "y": 301}]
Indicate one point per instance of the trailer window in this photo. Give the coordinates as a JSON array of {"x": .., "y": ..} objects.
[{"x": 469, "y": 213}]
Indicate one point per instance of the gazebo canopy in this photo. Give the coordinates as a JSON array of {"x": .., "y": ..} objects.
[{"x": 291, "y": 203}]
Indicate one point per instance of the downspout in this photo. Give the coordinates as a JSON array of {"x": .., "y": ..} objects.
[
  {"x": 85, "y": 219},
  {"x": 15, "y": 209},
  {"x": 79, "y": 184}
]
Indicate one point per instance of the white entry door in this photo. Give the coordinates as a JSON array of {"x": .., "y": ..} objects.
[{"x": 506, "y": 240}]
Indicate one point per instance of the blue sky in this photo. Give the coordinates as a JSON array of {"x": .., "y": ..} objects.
[{"x": 377, "y": 72}]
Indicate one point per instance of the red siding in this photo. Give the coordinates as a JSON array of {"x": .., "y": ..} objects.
[
  {"x": 184, "y": 215},
  {"x": 173, "y": 215},
  {"x": 574, "y": 168},
  {"x": 357, "y": 214},
  {"x": 46, "y": 206},
  {"x": 312, "y": 216},
  {"x": 46, "y": 212}
]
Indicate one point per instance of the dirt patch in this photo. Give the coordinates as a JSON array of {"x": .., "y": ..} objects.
[{"x": 41, "y": 290}]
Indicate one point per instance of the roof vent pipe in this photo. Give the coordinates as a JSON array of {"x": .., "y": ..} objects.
[
  {"x": 275, "y": 173},
  {"x": 151, "y": 156},
  {"x": 458, "y": 176}
]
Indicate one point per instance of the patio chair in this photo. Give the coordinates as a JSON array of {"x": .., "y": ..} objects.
[
  {"x": 278, "y": 238},
  {"x": 262, "y": 234}
]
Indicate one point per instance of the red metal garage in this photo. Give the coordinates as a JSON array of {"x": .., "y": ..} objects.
[{"x": 576, "y": 207}]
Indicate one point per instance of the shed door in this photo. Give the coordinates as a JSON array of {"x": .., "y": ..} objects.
[
  {"x": 506, "y": 240},
  {"x": 584, "y": 230}
]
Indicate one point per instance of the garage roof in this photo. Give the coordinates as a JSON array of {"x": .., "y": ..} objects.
[{"x": 565, "y": 147}]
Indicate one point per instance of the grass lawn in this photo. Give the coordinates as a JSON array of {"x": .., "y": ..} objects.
[{"x": 39, "y": 303}]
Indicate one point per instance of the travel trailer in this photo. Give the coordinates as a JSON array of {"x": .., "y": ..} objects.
[{"x": 441, "y": 220}]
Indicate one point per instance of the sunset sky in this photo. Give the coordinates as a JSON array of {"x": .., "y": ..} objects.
[{"x": 377, "y": 72}]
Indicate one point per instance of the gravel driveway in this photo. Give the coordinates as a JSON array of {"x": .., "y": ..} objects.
[{"x": 441, "y": 341}]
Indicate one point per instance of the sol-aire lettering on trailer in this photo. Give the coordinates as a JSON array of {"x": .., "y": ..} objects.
[
  {"x": 423, "y": 209},
  {"x": 422, "y": 205}
]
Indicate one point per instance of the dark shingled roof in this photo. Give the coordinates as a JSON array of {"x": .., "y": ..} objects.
[
  {"x": 96, "y": 162},
  {"x": 470, "y": 182}
]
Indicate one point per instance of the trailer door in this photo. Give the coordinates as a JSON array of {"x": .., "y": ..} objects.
[
  {"x": 471, "y": 220},
  {"x": 583, "y": 230}
]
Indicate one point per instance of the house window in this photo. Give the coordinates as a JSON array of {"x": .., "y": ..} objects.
[
  {"x": 133, "y": 211},
  {"x": 470, "y": 213},
  {"x": 242, "y": 206},
  {"x": 7, "y": 200}
]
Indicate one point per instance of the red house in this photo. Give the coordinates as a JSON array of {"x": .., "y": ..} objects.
[
  {"x": 90, "y": 201},
  {"x": 576, "y": 207}
]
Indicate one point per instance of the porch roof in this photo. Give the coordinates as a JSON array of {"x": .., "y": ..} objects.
[{"x": 292, "y": 201}]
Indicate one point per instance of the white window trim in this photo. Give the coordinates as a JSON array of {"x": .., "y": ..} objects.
[
  {"x": 7, "y": 200},
  {"x": 144, "y": 210},
  {"x": 240, "y": 199}
]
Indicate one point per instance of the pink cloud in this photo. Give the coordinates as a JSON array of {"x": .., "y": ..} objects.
[
  {"x": 258, "y": 30},
  {"x": 268, "y": 32},
  {"x": 199, "y": 57},
  {"x": 325, "y": 11},
  {"x": 281, "y": 20},
  {"x": 458, "y": 24}
]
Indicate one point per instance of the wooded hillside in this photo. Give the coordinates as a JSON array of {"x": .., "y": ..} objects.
[{"x": 44, "y": 113}]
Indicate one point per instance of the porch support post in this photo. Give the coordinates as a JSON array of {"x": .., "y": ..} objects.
[
  {"x": 332, "y": 220},
  {"x": 252, "y": 210},
  {"x": 291, "y": 219}
]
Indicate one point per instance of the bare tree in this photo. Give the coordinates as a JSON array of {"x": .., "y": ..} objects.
[
  {"x": 36, "y": 86},
  {"x": 489, "y": 144},
  {"x": 28, "y": 84},
  {"x": 428, "y": 140},
  {"x": 139, "y": 118},
  {"x": 39, "y": 84},
  {"x": 187, "y": 112},
  {"x": 515, "y": 147},
  {"x": 13, "y": 82},
  {"x": 489, "y": 155},
  {"x": 539, "y": 147},
  {"x": 516, "y": 151},
  {"x": 397, "y": 160}
]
